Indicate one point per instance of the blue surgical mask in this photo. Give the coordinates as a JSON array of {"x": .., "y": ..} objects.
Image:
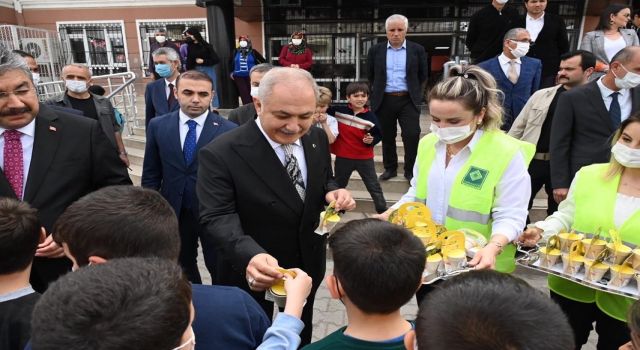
[{"x": 163, "y": 70}]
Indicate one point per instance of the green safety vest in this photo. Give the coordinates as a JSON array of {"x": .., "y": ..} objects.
[
  {"x": 473, "y": 191},
  {"x": 595, "y": 202}
]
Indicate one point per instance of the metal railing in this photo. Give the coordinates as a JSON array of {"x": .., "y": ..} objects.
[{"x": 120, "y": 90}]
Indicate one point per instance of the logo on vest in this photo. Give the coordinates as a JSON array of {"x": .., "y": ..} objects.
[{"x": 475, "y": 177}]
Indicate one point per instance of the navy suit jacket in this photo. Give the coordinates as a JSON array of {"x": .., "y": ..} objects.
[
  {"x": 164, "y": 167},
  {"x": 515, "y": 95},
  {"x": 155, "y": 100}
]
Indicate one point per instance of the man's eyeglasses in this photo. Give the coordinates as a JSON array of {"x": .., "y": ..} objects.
[{"x": 4, "y": 95}]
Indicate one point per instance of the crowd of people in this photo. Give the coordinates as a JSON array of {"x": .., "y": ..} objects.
[{"x": 88, "y": 261}]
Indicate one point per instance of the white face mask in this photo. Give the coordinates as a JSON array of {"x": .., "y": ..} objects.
[
  {"x": 452, "y": 134},
  {"x": 296, "y": 42},
  {"x": 629, "y": 81},
  {"x": 244, "y": 43},
  {"x": 161, "y": 39},
  {"x": 521, "y": 49},
  {"x": 502, "y": 2},
  {"x": 254, "y": 91},
  {"x": 36, "y": 78},
  {"x": 625, "y": 155},
  {"x": 77, "y": 86}
]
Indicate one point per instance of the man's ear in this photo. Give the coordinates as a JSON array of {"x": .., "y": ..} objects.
[
  {"x": 94, "y": 260},
  {"x": 410, "y": 340},
  {"x": 332, "y": 286},
  {"x": 258, "y": 105}
]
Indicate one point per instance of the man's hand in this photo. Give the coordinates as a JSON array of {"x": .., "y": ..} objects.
[
  {"x": 261, "y": 272},
  {"x": 383, "y": 216},
  {"x": 298, "y": 290},
  {"x": 530, "y": 236},
  {"x": 199, "y": 61},
  {"x": 560, "y": 194},
  {"x": 49, "y": 249},
  {"x": 124, "y": 158},
  {"x": 343, "y": 199},
  {"x": 368, "y": 139}
]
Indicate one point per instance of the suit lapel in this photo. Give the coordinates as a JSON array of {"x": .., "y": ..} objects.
[
  {"x": 258, "y": 154},
  {"x": 209, "y": 131},
  {"x": 595, "y": 98},
  {"x": 173, "y": 138},
  {"x": 311, "y": 156},
  {"x": 46, "y": 139},
  {"x": 5, "y": 187}
]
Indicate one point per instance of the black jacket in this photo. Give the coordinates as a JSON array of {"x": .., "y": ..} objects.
[
  {"x": 486, "y": 31},
  {"x": 552, "y": 42}
]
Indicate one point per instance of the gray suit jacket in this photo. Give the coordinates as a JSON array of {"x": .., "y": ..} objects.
[
  {"x": 243, "y": 114},
  {"x": 106, "y": 116},
  {"x": 594, "y": 42}
]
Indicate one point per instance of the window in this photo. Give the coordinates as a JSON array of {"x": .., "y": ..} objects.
[
  {"x": 174, "y": 28},
  {"x": 99, "y": 45}
]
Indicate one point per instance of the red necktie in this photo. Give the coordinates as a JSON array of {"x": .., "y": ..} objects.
[{"x": 13, "y": 167}]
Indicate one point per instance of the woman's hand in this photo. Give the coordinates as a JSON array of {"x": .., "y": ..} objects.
[
  {"x": 485, "y": 258},
  {"x": 530, "y": 236}
]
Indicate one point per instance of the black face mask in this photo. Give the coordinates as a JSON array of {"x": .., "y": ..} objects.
[{"x": 189, "y": 39}]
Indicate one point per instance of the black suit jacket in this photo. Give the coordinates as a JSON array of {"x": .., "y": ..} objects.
[
  {"x": 377, "y": 72},
  {"x": 248, "y": 204},
  {"x": 243, "y": 114},
  {"x": 552, "y": 42},
  {"x": 581, "y": 132}
]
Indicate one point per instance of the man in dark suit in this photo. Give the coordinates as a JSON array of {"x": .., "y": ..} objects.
[
  {"x": 171, "y": 162},
  {"x": 49, "y": 159},
  {"x": 247, "y": 112},
  {"x": 587, "y": 116},
  {"x": 487, "y": 28},
  {"x": 158, "y": 41},
  {"x": 262, "y": 187},
  {"x": 159, "y": 97},
  {"x": 518, "y": 76},
  {"x": 397, "y": 72},
  {"x": 549, "y": 36}
]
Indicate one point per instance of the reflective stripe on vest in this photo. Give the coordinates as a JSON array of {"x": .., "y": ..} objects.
[
  {"x": 595, "y": 201},
  {"x": 473, "y": 192}
]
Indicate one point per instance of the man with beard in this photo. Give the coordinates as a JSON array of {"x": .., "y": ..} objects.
[
  {"x": 534, "y": 122},
  {"x": 49, "y": 159}
]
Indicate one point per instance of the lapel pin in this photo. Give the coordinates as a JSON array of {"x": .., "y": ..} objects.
[
  {"x": 215, "y": 123},
  {"x": 314, "y": 145},
  {"x": 52, "y": 128}
]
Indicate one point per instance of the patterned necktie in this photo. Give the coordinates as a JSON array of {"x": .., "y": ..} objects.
[
  {"x": 291, "y": 163},
  {"x": 189, "y": 148},
  {"x": 13, "y": 167},
  {"x": 513, "y": 73},
  {"x": 171, "y": 98},
  {"x": 614, "y": 110}
]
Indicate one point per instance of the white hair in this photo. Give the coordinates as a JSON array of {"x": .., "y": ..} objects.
[
  {"x": 171, "y": 54},
  {"x": 279, "y": 75},
  {"x": 396, "y": 17}
]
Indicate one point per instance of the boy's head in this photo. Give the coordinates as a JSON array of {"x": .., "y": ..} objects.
[
  {"x": 20, "y": 234},
  {"x": 131, "y": 303},
  {"x": 118, "y": 222},
  {"x": 377, "y": 265},
  {"x": 490, "y": 310},
  {"x": 358, "y": 93}
]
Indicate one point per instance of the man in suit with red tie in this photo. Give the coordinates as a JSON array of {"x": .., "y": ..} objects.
[
  {"x": 49, "y": 159},
  {"x": 262, "y": 187},
  {"x": 159, "y": 97},
  {"x": 171, "y": 161}
]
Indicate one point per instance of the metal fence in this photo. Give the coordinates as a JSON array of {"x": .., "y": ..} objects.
[
  {"x": 44, "y": 45},
  {"x": 120, "y": 90}
]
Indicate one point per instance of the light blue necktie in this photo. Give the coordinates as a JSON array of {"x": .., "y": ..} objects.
[{"x": 189, "y": 148}]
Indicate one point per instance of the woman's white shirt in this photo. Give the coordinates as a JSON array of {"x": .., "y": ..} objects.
[{"x": 509, "y": 212}]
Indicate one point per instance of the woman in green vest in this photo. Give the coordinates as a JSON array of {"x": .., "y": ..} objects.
[
  {"x": 468, "y": 172},
  {"x": 603, "y": 196}
]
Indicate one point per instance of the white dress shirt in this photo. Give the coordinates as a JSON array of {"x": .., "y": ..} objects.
[
  {"x": 562, "y": 220},
  {"x": 298, "y": 152},
  {"x": 184, "y": 127},
  {"x": 534, "y": 26},
  {"x": 509, "y": 212},
  {"x": 28, "y": 132},
  {"x": 624, "y": 99},
  {"x": 505, "y": 65},
  {"x": 167, "y": 91}
]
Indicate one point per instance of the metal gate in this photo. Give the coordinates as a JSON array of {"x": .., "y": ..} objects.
[{"x": 43, "y": 45}]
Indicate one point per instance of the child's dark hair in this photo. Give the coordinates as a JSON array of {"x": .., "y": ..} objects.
[
  {"x": 378, "y": 264},
  {"x": 357, "y": 86},
  {"x": 19, "y": 235}
]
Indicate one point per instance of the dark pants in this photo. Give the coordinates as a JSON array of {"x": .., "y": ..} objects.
[
  {"x": 399, "y": 109},
  {"x": 367, "y": 170},
  {"x": 244, "y": 89},
  {"x": 46, "y": 270},
  {"x": 540, "y": 173},
  {"x": 188, "y": 258},
  {"x": 611, "y": 332}
]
